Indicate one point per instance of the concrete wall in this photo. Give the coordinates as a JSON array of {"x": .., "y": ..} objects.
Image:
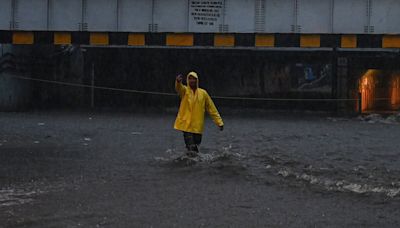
[
  {"x": 58, "y": 64},
  {"x": 14, "y": 94},
  {"x": 61, "y": 64},
  {"x": 223, "y": 72}
]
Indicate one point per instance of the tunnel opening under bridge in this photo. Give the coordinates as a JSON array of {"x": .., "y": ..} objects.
[
  {"x": 374, "y": 81},
  {"x": 379, "y": 91}
]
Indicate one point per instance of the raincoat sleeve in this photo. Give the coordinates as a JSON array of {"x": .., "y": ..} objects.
[
  {"x": 180, "y": 88},
  {"x": 213, "y": 112}
]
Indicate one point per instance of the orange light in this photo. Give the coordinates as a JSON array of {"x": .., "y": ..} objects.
[
  {"x": 367, "y": 89},
  {"x": 365, "y": 81},
  {"x": 395, "y": 92}
]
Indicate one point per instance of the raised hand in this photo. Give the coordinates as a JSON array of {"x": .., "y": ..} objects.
[{"x": 179, "y": 78}]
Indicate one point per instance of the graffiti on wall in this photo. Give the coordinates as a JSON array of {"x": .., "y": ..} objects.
[{"x": 311, "y": 77}]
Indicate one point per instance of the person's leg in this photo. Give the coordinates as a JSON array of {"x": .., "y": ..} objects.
[
  {"x": 197, "y": 140},
  {"x": 190, "y": 141}
]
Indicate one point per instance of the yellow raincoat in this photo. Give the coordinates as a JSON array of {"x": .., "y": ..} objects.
[{"x": 193, "y": 106}]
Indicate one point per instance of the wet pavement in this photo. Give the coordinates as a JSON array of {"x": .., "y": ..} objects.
[{"x": 60, "y": 169}]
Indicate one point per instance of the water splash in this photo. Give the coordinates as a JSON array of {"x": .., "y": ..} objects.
[
  {"x": 11, "y": 196},
  {"x": 340, "y": 185},
  {"x": 205, "y": 156},
  {"x": 357, "y": 179}
]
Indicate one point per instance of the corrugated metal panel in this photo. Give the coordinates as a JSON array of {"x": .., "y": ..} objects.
[
  {"x": 205, "y": 15},
  {"x": 240, "y": 16},
  {"x": 31, "y": 15},
  {"x": 314, "y": 16},
  {"x": 65, "y": 15},
  {"x": 171, "y": 16},
  {"x": 279, "y": 16},
  {"x": 385, "y": 16},
  {"x": 101, "y": 15},
  {"x": 5, "y": 14},
  {"x": 135, "y": 15},
  {"x": 350, "y": 16},
  {"x": 259, "y": 23}
]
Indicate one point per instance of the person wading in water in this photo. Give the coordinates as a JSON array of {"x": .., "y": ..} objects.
[{"x": 195, "y": 102}]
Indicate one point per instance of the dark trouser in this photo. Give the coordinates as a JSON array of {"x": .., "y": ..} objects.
[{"x": 192, "y": 141}]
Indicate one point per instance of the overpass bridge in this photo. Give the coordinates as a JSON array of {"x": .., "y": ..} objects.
[
  {"x": 203, "y": 23},
  {"x": 317, "y": 49}
]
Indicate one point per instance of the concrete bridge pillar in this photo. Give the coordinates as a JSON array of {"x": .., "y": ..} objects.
[{"x": 14, "y": 93}]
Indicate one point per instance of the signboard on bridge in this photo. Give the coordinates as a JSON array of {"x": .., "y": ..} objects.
[{"x": 205, "y": 15}]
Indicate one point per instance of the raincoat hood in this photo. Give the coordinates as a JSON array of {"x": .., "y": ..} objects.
[{"x": 193, "y": 74}]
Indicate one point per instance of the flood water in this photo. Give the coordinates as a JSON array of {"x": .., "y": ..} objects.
[{"x": 61, "y": 169}]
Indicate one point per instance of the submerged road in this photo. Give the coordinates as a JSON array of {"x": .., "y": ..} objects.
[{"x": 117, "y": 170}]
